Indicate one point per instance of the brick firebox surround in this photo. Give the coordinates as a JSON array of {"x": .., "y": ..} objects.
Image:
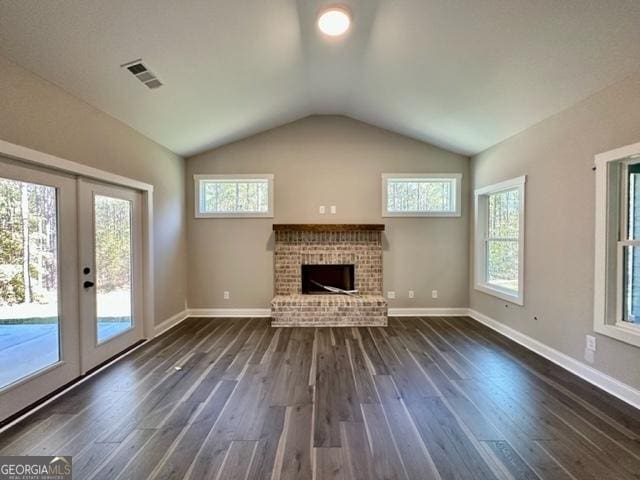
[{"x": 297, "y": 245}]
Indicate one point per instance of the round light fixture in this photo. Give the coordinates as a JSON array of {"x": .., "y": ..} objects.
[{"x": 334, "y": 21}]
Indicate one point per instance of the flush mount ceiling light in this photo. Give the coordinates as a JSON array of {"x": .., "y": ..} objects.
[{"x": 334, "y": 21}]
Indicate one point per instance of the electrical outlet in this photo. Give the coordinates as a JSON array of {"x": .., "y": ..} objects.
[
  {"x": 333, "y": 209},
  {"x": 322, "y": 210},
  {"x": 412, "y": 294},
  {"x": 225, "y": 295},
  {"x": 391, "y": 295},
  {"x": 434, "y": 293},
  {"x": 591, "y": 343},
  {"x": 589, "y": 355}
]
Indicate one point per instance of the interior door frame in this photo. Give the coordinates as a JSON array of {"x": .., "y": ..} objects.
[{"x": 51, "y": 162}]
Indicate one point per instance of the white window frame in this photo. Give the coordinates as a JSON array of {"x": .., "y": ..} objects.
[
  {"x": 481, "y": 225},
  {"x": 609, "y": 225},
  {"x": 258, "y": 176},
  {"x": 456, "y": 195}
]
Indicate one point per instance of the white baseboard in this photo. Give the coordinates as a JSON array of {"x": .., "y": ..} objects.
[
  {"x": 266, "y": 312},
  {"x": 230, "y": 312},
  {"x": 601, "y": 380},
  {"x": 170, "y": 322},
  {"x": 428, "y": 312}
]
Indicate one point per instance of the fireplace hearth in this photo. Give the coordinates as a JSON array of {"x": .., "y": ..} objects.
[{"x": 345, "y": 256}]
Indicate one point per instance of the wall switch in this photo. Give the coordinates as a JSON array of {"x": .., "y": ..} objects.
[
  {"x": 225, "y": 295},
  {"x": 412, "y": 294},
  {"x": 322, "y": 210},
  {"x": 434, "y": 293},
  {"x": 391, "y": 295},
  {"x": 333, "y": 209},
  {"x": 591, "y": 343}
]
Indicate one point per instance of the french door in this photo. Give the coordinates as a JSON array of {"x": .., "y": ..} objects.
[
  {"x": 70, "y": 279},
  {"x": 110, "y": 221},
  {"x": 39, "y": 327}
]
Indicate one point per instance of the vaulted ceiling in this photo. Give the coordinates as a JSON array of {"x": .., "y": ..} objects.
[{"x": 461, "y": 74}]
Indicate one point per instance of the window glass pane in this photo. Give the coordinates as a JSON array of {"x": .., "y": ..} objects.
[
  {"x": 113, "y": 266},
  {"x": 504, "y": 214},
  {"x": 416, "y": 195},
  {"x": 502, "y": 264},
  {"x": 633, "y": 202},
  {"x": 235, "y": 196},
  {"x": 631, "y": 291},
  {"x": 29, "y": 319},
  {"x": 263, "y": 196}
]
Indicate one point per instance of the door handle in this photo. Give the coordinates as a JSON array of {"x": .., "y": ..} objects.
[{"x": 88, "y": 284}]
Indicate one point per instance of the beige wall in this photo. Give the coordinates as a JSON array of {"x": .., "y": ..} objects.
[
  {"x": 327, "y": 160},
  {"x": 39, "y": 115},
  {"x": 557, "y": 156}
]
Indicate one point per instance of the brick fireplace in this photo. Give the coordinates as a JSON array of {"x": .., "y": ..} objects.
[{"x": 356, "y": 248}]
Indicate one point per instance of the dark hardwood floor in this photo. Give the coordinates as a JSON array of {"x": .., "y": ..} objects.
[{"x": 424, "y": 398}]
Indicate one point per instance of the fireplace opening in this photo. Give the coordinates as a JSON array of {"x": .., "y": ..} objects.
[{"x": 338, "y": 276}]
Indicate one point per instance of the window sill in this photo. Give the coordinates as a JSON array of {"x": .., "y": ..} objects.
[
  {"x": 501, "y": 294},
  {"x": 625, "y": 333}
]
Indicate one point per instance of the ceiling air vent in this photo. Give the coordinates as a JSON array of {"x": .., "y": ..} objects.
[{"x": 142, "y": 73}]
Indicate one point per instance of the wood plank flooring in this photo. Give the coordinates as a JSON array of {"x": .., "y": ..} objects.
[{"x": 424, "y": 398}]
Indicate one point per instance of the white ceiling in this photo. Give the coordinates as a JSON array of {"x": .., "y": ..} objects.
[{"x": 462, "y": 74}]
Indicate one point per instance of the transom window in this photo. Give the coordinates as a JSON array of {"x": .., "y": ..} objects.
[
  {"x": 417, "y": 195},
  {"x": 234, "y": 195},
  {"x": 500, "y": 239}
]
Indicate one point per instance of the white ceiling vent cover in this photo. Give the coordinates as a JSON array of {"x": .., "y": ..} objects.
[{"x": 142, "y": 73}]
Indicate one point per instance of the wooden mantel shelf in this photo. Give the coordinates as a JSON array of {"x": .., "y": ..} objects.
[{"x": 327, "y": 227}]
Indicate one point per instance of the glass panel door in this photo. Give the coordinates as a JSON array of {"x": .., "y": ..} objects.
[
  {"x": 29, "y": 316},
  {"x": 38, "y": 256},
  {"x": 110, "y": 253},
  {"x": 114, "y": 266}
]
